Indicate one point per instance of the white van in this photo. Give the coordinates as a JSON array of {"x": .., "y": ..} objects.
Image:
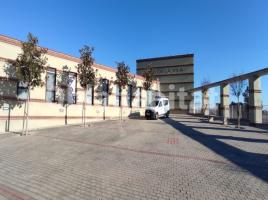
[{"x": 158, "y": 108}]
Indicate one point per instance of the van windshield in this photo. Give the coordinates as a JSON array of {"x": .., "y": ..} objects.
[{"x": 153, "y": 104}]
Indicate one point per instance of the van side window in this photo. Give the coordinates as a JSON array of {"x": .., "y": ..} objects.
[
  {"x": 160, "y": 104},
  {"x": 165, "y": 102}
]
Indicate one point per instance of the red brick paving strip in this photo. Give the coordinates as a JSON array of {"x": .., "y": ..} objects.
[
  {"x": 173, "y": 141},
  {"x": 136, "y": 150},
  {"x": 12, "y": 194}
]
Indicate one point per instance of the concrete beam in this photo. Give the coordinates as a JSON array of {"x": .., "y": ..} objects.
[
  {"x": 258, "y": 73},
  {"x": 255, "y": 100}
]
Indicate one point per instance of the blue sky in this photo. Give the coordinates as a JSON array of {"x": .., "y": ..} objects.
[{"x": 226, "y": 36}]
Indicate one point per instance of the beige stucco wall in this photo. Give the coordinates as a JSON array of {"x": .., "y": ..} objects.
[{"x": 45, "y": 114}]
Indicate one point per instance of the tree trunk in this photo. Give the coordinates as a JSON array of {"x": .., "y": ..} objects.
[
  {"x": 8, "y": 118},
  {"x": 66, "y": 107},
  {"x": 27, "y": 112},
  {"x": 24, "y": 118},
  {"x": 238, "y": 113},
  {"x": 84, "y": 108},
  {"x": 131, "y": 100},
  {"x": 121, "y": 115},
  {"x": 120, "y": 102},
  {"x": 104, "y": 109}
]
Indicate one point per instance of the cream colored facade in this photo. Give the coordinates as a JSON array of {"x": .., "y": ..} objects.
[{"x": 48, "y": 114}]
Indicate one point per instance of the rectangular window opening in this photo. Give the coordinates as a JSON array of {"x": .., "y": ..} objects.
[
  {"x": 118, "y": 96},
  {"x": 22, "y": 91},
  {"x": 51, "y": 85},
  {"x": 69, "y": 83},
  {"x": 90, "y": 94},
  {"x": 129, "y": 96},
  {"x": 105, "y": 92}
]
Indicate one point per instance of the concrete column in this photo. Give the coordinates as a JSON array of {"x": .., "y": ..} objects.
[
  {"x": 255, "y": 100},
  {"x": 191, "y": 103},
  {"x": 224, "y": 108},
  {"x": 205, "y": 102}
]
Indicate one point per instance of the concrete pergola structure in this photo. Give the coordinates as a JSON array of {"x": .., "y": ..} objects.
[{"x": 255, "y": 107}]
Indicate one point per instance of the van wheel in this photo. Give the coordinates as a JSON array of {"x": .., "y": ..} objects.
[
  {"x": 167, "y": 114},
  {"x": 156, "y": 116}
]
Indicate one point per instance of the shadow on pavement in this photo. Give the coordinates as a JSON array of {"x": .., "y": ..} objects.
[
  {"x": 229, "y": 129},
  {"x": 255, "y": 163}
]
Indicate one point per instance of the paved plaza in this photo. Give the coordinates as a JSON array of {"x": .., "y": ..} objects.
[{"x": 178, "y": 158}]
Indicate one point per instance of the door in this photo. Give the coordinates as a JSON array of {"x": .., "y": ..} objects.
[
  {"x": 161, "y": 110},
  {"x": 166, "y": 106}
]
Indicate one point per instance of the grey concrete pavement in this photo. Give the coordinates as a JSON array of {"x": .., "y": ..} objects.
[{"x": 176, "y": 158}]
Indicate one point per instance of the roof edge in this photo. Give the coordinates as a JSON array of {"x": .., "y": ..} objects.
[
  {"x": 58, "y": 54},
  {"x": 165, "y": 57}
]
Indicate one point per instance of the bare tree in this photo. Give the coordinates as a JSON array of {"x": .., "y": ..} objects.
[
  {"x": 246, "y": 95},
  {"x": 246, "y": 100},
  {"x": 86, "y": 74},
  {"x": 29, "y": 66},
  {"x": 237, "y": 90},
  {"x": 205, "y": 81}
]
